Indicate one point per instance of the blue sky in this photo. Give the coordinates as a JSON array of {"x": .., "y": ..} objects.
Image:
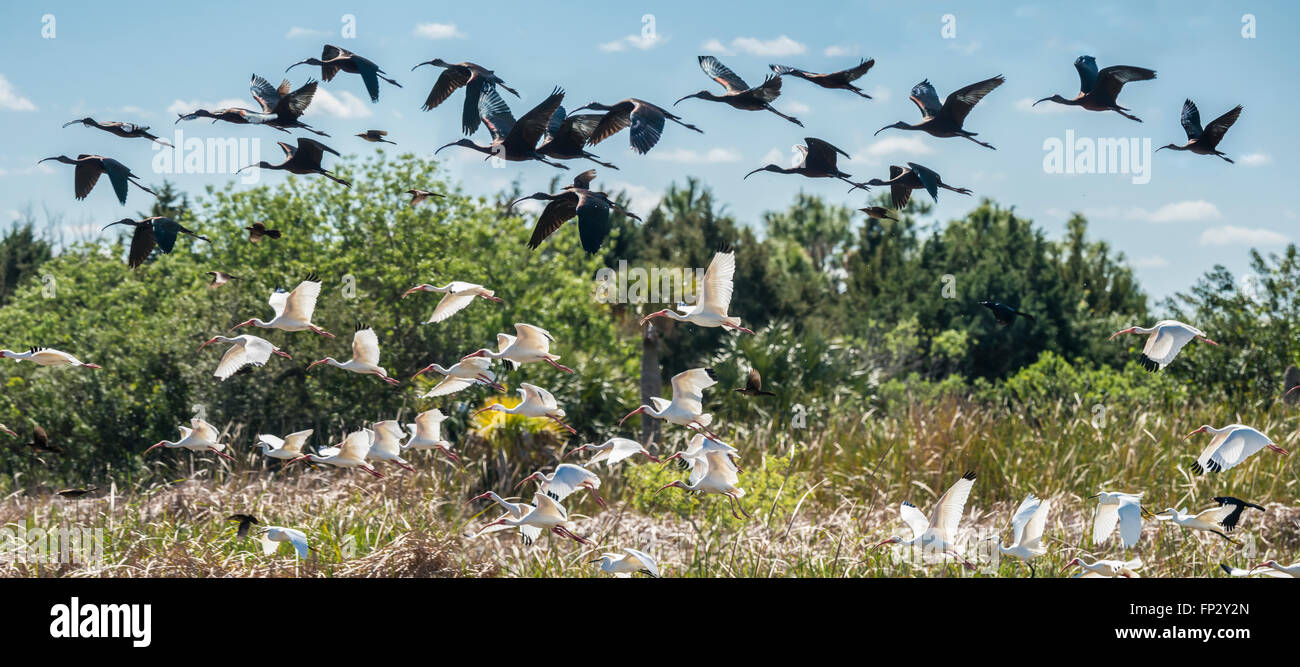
[{"x": 1196, "y": 211}]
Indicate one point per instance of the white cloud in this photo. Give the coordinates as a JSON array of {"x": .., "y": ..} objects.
[
  {"x": 345, "y": 105},
  {"x": 774, "y": 156},
  {"x": 10, "y": 100},
  {"x": 881, "y": 94},
  {"x": 297, "y": 32},
  {"x": 796, "y": 107},
  {"x": 688, "y": 156},
  {"x": 780, "y": 46},
  {"x": 965, "y": 48},
  {"x": 633, "y": 41},
  {"x": 1152, "y": 262},
  {"x": 836, "y": 51},
  {"x": 642, "y": 200},
  {"x": 897, "y": 144},
  {"x": 187, "y": 106},
  {"x": 438, "y": 31},
  {"x": 1255, "y": 159},
  {"x": 1027, "y": 104},
  {"x": 1181, "y": 211},
  {"x": 1232, "y": 235}
]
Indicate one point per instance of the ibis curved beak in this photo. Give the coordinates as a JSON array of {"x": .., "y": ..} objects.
[
  {"x": 72, "y": 122},
  {"x": 207, "y": 343},
  {"x": 1040, "y": 101},
  {"x": 686, "y": 98},
  {"x": 6, "y": 430},
  {"x": 300, "y": 62},
  {"x": 153, "y": 446},
  {"x": 427, "y": 62},
  {"x": 417, "y": 288},
  {"x": 677, "y": 455},
  {"x": 315, "y": 364},
  {"x": 753, "y": 172},
  {"x": 882, "y": 129},
  {"x": 634, "y": 412},
  {"x": 666, "y": 486},
  {"x": 454, "y": 143}
]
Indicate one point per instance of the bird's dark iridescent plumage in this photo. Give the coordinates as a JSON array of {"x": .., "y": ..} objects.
[
  {"x": 1004, "y": 314},
  {"x": 245, "y": 523},
  {"x": 753, "y": 385},
  {"x": 150, "y": 232},
  {"x": 1229, "y": 522}
]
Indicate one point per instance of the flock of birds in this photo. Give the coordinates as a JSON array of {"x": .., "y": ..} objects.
[{"x": 548, "y": 134}]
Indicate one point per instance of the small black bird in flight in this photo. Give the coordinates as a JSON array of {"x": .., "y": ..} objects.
[
  {"x": 258, "y": 229},
  {"x": 878, "y": 212},
  {"x": 376, "y": 136},
  {"x": 1004, "y": 314},
  {"x": 753, "y": 385},
  {"x": 1229, "y": 522},
  {"x": 75, "y": 493},
  {"x": 418, "y": 196},
  {"x": 220, "y": 278},
  {"x": 245, "y": 522}
]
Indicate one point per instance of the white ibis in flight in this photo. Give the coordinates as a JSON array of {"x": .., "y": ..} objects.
[
  {"x": 272, "y": 537},
  {"x": 1124, "y": 509},
  {"x": 293, "y": 310},
  {"x": 1269, "y": 568},
  {"x": 1113, "y": 569},
  {"x": 1230, "y": 445},
  {"x": 841, "y": 80},
  {"x": 627, "y": 564},
  {"x": 646, "y": 120},
  {"x": 518, "y": 510},
  {"x": 536, "y": 402},
  {"x": 687, "y": 407},
  {"x": 365, "y": 357},
  {"x": 710, "y": 309},
  {"x": 351, "y": 453},
  {"x": 530, "y": 343},
  {"x": 288, "y": 447},
  {"x": 473, "y": 78},
  {"x": 457, "y": 295},
  {"x": 612, "y": 451},
  {"x": 246, "y": 349},
  {"x": 44, "y": 356},
  {"x": 200, "y": 436},
  {"x": 1098, "y": 90},
  {"x": 739, "y": 94},
  {"x": 946, "y": 119},
  {"x": 545, "y": 514},
  {"x": 149, "y": 233},
  {"x": 1164, "y": 340},
  {"x": 938, "y": 533},
  {"x": 714, "y": 473},
  {"x": 426, "y": 433},
  {"x": 1204, "y": 141},
  {"x": 334, "y": 59},
  {"x": 566, "y": 479},
  {"x": 1028, "y": 522},
  {"x": 461, "y": 375},
  {"x": 387, "y": 445},
  {"x": 697, "y": 447},
  {"x": 1206, "y": 521},
  {"x": 90, "y": 167}
]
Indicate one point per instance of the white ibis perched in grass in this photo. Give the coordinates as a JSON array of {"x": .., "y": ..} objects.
[
  {"x": 426, "y": 433},
  {"x": 513, "y": 141},
  {"x": 1164, "y": 340},
  {"x": 646, "y": 120},
  {"x": 687, "y": 407},
  {"x": 710, "y": 309},
  {"x": 714, "y": 473},
  {"x": 1206, "y": 521},
  {"x": 1124, "y": 509},
  {"x": 351, "y": 453},
  {"x": 902, "y": 181},
  {"x": 200, "y": 436},
  {"x": 591, "y": 208},
  {"x": 456, "y": 296},
  {"x": 946, "y": 119},
  {"x": 473, "y": 78},
  {"x": 817, "y": 160},
  {"x": 293, "y": 310},
  {"x": 518, "y": 510},
  {"x": 288, "y": 447},
  {"x": 1269, "y": 568},
  {"x": 545, "y": 514},
  {"x": 365, "y": 356},
  {"x": 739, "y": 94},
  {"x": 282, "y": 105},
  {"x": 530, "y": 343},
  {"x": 119, "y": 128},
  {"x": 90, "y": 167},
  {"x": 461, "y": 375},
  {"x": 566, "y": 480},
  {"x": 272, "y": 537},
  {"x": 150, "y": 232},
  {"x": 938, "y": 533},
  {"x": 841, "y": 80},
  {"x": 1230, "y": 445},
  {"x": 1113, "y": 569},
  {"x": 304, "y": 159},
  {"x": 333, "y": 60},
  {"x": 612, "y": 451},
  {"x": 1204, "y": 141},
  {"x": 44, "y": 356},
  {"x": 627, "y": 564},
  {"x": 1028, "y": 522},
  {"x": 1098, "y": 90},
  {"x": 537, "y": 402},
  {"x": 1236, "y": 506},
  {"x": 387, "y": 445},
  {"x": 246, "y": 349}
]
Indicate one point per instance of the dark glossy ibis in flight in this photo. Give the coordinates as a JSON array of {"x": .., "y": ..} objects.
[
  {"x": 303, "y": 160},
  {"x": 1098, "y": 90},
  {"x": 282, "y": 106},
  {"x": 902, "y": 181},
  {"x": 333, "y": 59},
  {"x": 89, "y": 168},
  {"x": 753, "y": 385},
  {"x": 246, "y": 522},
  {"x": 124, "y": 130},
  {"x": 156, "y": 231},
  {"x": 258, "y": 229},
  {"x": 591, "y": 208},
  {"x": 376, "y": 136},
  {"x": 1229, "y": 522},
  {"x": 234, "y": 115},
  {"x": 646, "y": 120},
  {"x": 842, "y": 79},
  {"x": 474, "y": 78},
  {"x": 220, "y": 278},
  {"x": 739, "y": 95},
  {"x": 512, "y": 140},
  {"x": 945, "y": 120},
  {"x": 41, "y": 442},
  {"x": 76, "y": 493},
  {"x": 566, "y": 136},
  {"x": 1204, "y": 142},
  {"x": 878, "y": 212},
  {"x": 819, "y": 158},
  {"x": 1004, "y": 314},
  {"x": 418, "y": 196}
]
